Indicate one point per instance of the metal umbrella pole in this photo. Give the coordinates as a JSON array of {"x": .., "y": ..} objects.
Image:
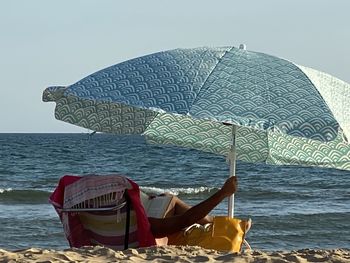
[{"x": 232, "y": 160}]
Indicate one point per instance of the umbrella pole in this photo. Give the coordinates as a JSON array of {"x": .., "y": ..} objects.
[{"x": 232, "y": 159}]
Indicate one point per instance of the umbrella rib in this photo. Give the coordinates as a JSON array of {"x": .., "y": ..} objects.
[
  {"x": 267, "y": 88},
  {"x": 146, "y": 126},
  {"x": 192, "y": 65},
  {"x": 211, "y": 72}
]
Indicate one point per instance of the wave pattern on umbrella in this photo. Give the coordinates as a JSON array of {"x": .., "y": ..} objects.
[{"x": 285, "y": 113}]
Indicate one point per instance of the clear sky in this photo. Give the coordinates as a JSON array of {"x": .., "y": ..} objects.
[{"x": 46, "y": 43}]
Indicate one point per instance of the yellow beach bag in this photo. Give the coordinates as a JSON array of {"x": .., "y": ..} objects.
[{"x": 224, "y": 234}]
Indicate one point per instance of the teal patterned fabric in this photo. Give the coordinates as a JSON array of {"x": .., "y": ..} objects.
[
  {"x": 285, "y": 113},
  {"x": 252, "y": 145},
  {"x": 99, "y": 116},
  {"x": 292, "y": 150}
]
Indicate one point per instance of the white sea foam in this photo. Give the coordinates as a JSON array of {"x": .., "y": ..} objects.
[
  {"x": 5, "y": 190},
  {"x": 177, "y": 191}
]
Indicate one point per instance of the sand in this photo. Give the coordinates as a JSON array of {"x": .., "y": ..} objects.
[{"x": 171, "y": 254}]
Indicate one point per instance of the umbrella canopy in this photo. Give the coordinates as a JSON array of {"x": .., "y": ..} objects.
[{"x": 284, "y": 113}]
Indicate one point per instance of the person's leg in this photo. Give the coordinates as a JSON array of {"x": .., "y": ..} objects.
[
  {"x": 162, "y": 227},
  {"x": 179, "y": 207}
]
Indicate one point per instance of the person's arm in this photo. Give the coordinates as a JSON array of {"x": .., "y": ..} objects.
[{"x": 161, "y": 227}]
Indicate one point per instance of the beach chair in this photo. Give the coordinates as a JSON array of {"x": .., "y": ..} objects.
[{"x": 102, "y": 210}]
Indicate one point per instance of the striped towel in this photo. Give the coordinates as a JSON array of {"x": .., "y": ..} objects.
[
  {"x": 103, "y": 227},
  {"x": 95, "y": 191}
]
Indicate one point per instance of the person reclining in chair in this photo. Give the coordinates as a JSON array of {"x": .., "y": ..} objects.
[
  {"x": 84, "y": 227},
  {"x": 180, "y": 215}
]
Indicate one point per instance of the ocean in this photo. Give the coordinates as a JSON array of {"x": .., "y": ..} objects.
[{"x": 291, "y": 207}]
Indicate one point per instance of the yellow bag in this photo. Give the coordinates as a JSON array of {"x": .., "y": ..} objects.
[{"x": 224, "y": 234}]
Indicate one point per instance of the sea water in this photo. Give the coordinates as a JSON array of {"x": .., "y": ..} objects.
[{"x": 291, "y": 207}]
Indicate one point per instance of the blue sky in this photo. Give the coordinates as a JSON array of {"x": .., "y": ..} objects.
[{"x": 46, "y": 43}]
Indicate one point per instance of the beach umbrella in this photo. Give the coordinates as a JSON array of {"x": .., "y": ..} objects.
[{"x": 242, "y": 104}]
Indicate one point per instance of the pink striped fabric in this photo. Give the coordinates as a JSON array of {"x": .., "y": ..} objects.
[{"x": 82, "y": 229}]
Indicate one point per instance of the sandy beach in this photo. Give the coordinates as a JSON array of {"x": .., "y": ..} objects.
[{"x": 171, "y": 254}]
